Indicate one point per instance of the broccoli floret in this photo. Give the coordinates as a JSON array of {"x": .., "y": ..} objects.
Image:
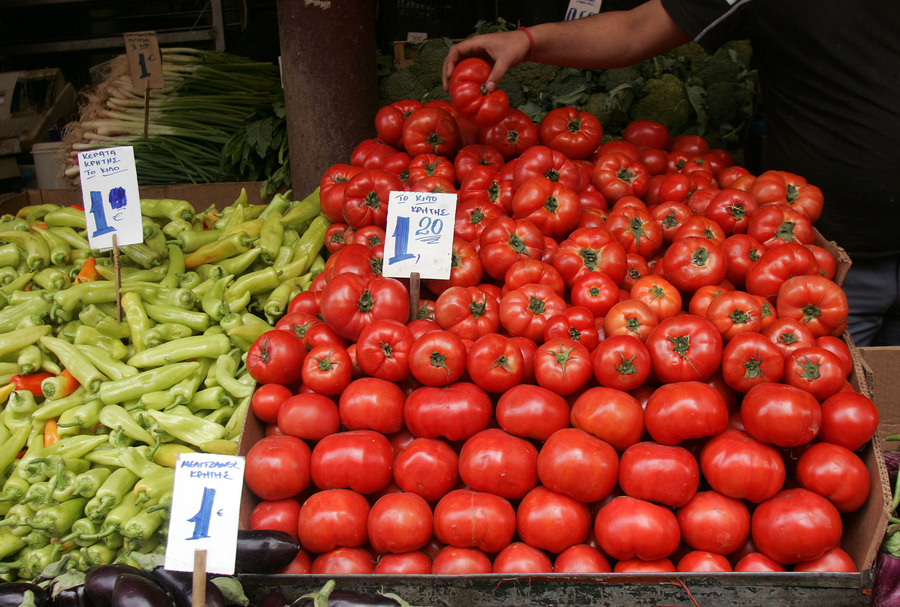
[
  {"x": 720, "y": 67},
  {"x": 608, "y": 80},
  {"x": 607, "y": 110},
  {"x": 513, "y": 89},
  {"x": 571, "y": 87},
  {"x": 400, "y": 85},
  {"x": 437, "y": 92},
  {"x": 743, "y": 51},
  {"x": 534, "y": 77},
  {"x": 691, "y": 54},
  {"x": 429, "y": 61},
  {"x": 664, "y": 100}
]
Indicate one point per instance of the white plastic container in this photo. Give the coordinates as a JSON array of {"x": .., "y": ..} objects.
[{"x": 49, "y": 164}]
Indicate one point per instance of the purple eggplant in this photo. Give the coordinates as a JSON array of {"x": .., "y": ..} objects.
[
  {"x": 273, "y": 599},
  {"x": 886, "y": 586},
  {"x": 180, "y": 584},
  {"x": 136, "y": 590},
  {"x": 12, "y": 594},
  {"x": 264, "y": 551},
  {"x": 99, "y": 582},
  {"x": 72, "y": 597},
  {"x": 344, "y": 598}
]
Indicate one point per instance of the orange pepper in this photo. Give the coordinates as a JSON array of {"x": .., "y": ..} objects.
[
  {"x": 88, "y": 271},
  {"x": 51, "y": 432}
]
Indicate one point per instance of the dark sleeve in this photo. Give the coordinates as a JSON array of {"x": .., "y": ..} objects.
[{"x": 711, "y": 23}]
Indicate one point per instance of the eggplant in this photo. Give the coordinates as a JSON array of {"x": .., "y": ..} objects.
[
  {"x": 136, "y": 590},
  {"x": 273, "y": 599},
  {"x": 343, "y": 598},
  {"x": 100, "y": 580},
  {"x": 12, "y": 594},
  {"x": 264, "y": 551},
  {"x": 886, "y": 586},
  {"x": 180, "y": 584},
  {"x": 72, "y": 597}
]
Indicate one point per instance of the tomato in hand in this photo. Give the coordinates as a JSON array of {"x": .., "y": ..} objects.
[{"x": 470, "y": 97}]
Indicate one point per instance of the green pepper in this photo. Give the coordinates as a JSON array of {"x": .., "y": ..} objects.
[
  {"x": 136, "y": 318},
  {"x": 192, "y": 240},
  {"x": 9, "y": 543},
  {"x": 236, "y": 423},
  {"x": 74, "y": 360},
  {"x": 175, "y": 268},
  {"x": 13, "y": 341},
  {"x": 19, "y": 408},
  {"x": 149, "y": 489},
  {"x": 37, "y": 253},
  {"x": 56, "y": 520},
  {"x": 168, "y": 208},
  {"x": 97, "y": 554},
  {"x": 113, "y": 347},
  {"x": 188, "y": 428},
  {"x": 223, "y": 248},
  {"x": 88, "y": 482},
  {"x": 253, "y": 282},
  {"x": 18, "y": 284},
  {"x": 197, "y": 321},
  {"x": 129, "y": 275},
  {"x": 185, "y": 390},
  {"x": 84, "y": 416},
  {"x": 279, "y": 203},
  {"x": 10, "y": 254},
  {"x": 52, "y": 279},
  {"x": 110, "y": 494},
  {"x": 211, "y": 398},
  {"x": 53, "y": 408},
  {"x": 153, "y": 293},
  {"x": 175, "y": 227},
  {"x": 158, "y": 378},
  {"x": 36, "y": 560},
  {"x": 16, "y": 520},
  {"x": 82, "y": 528},
  {"x": 58, "y": 249},
  {"x": 154, "y": 237},
  {"x": 189, "y": 280},
  {"x": 139, "y": 460},
  {"x": 142, "y": 525},
  {"x": 106, "y": 364},
  {"x": 79, "y": 244},
  {"x": 213, "y": 300},
  {"x": 142, "y": 255},
  {"x": 235, "y": 265},
  {"x": 195, "y": 346},
  {"x": 226, "y": 372},
  {"x": 94, "y": 316},
  {"x": 220, "y": 415},
  {"x": 30, "y": 359},
  {"x": 115, "y": 417},
  {"x": 270, "y": 237},
  {"x": 280, "y": 297},
  {"x": 83, "y": 293},
  {"x": 38, "y": 494},
  {"x": 14, "y": 489},
  {"x": 66, "y": 216},
  {"x": 166, "y": 332},
  {"x": 303, "y": 210}
]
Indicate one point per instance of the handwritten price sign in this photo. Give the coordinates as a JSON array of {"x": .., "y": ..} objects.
[
  {"x": 112, "y": 200},
  {"x": 419, "y": 234},
  {"x": 205, "y": 507}
]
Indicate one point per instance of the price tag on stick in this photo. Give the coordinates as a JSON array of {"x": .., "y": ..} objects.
[
  {"x": 419, "y": 234},
  {"x": 205, "y": 508},
  {"x": 112, "y": 200}
]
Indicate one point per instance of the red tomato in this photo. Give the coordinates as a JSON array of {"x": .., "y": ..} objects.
[
  {"x": 750, "y": 359},
  {"x": 577, "y": 464},
  {"x": 789, "y": 334},
  {"x": 816, "y": 301},
  {"x": 581, "y": 558},
  {"x": 552, "y": 521},
  {"x": 590, "y": 250},
  {"x": 737, "y": 465},
  {"x": 693, "y": 262},
  {"x": 356, "y": 459},
  {"x": 278, "y": 467},
  {"x": 659, "y": 294},
  {"x": 267, "y": 399},
  {"x": 684, "y": 348},
  {"x": 351, "y": 302},
  {"x": 700, "y": 226},
  {"x": 670, "y": 216},
  {"x": 796, "y": 525},
  {"x": 621, "y": 362},
  {"x": 646, "y": 133},
  {"x": 469, "y": 96},
  {"x": 389, "y": 119},
  {"x": 326, "y": 369},
  {"x": 472, "y": 215},
  {"x": 301, "y": 565},
  {"x": 309, "y": 416},
  {"x": 849, "y": 419},
  {"x": 455, "y": 412},
  {"x": 543, "y": 160},
  {"x": 741, "y": 252},
  {"x": 714, "y": 522},
  {"x": 306, "y": 302},
  {"x": 333, "y": 518},
  {"x": 495, "y": 461},
  {"x": 514, "y": 134},
  {"x": 406, "y": 563},
  {"x": 276, "y": 515},
  {"x": 524, "y": 311},
  {"x": 735, "y": 312},
  {"x": 562, "y": 365},
  {"x": 366, "y": 197},
  {"x": 834, "y": 472},
  {"x": 684, "y": 410},
  {"x": 431, "y": 130},
  {"x": 595, "y": 291},
  {"x": 776, "y": 265},
  {"x": 437, "y": 358},
  {"x": 505, "y": 241},
  {"x": 781, "y": 414},
  {"x": 636, "y": 230},
  {"x": 526, "y": 271},
  {"x": 662, "y": 474},
  {"x": 839, "y": 348},
  {"x": 834, "y": 560},
  {"x": 757, "y": 562},
  {"x": 531, "y": 411},
  {"x": 427, "y": 467},
  {"x": 640, "y": 566},
  {"x": 519, "y": 557},
  {"x": 452, "y": 560},
  {"x": 554, "y": 208},
  {"x": 276, "y": 357},
  {"x": 732, "y": 210},
  {"x": 495, "y": 363},
  {"x": 399, "y": 522},
  {"x": 699, "y": 561},
  {"x": 468, "y": 312},
  {"x": 474, "y": 519},
  {"x": 628, "y": 528},
  {"x": 371, "y": 403},
  {"x": 571, "y": 131},
  {"x": 630, "y": 317},
  {"x": 331, "y": 190},
  {"x": 774, "y": 224},
  {"x": 816, "y": 370},
  {"x": 616, "y": 175},
  {"x": 612, "y": 415}
]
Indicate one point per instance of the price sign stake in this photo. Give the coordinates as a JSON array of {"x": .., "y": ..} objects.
[
  {"x": 419, "y": 234},
  {"x": 204, "y": 516}
]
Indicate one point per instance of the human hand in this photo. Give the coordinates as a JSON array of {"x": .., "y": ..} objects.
[{"x": 501, "y": 49}]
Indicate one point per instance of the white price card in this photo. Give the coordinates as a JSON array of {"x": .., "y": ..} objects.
[
  {"x": 582, "y": 8},
  {"x": 419, "y": 234},
  {"x": 112, "y": 200},
  {"x": 205, "y": 507}
]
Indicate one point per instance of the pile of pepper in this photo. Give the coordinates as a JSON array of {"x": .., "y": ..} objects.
[{"x": 99, "y": 396}]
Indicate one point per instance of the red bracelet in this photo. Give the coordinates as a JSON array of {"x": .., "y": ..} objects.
[{"x": 525, "y": 30}]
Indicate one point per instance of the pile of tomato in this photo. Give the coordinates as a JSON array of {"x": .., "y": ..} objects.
[{"x": 635, "y": 364}]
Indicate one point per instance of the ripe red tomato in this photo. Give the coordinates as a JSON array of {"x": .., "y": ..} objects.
[
  {"x": 276, "y": 357},
  {"x": 267, "y": 399},
  {"x": 693, "y": 262},
  {"x": 399, "y": 522},
  {"x": 512, "y": 135},
  {"x": 735, "y": 312},
  {"x": 617, "y": 175},
  {"x": 702, "y": 561},
  {"x": 426, "y": 467},
  {"x": 816, "y": 370},
  {"x": 468, "y": 312},
  {"x": 741, "y": 252},
  {"x": 552, "y": 521},
  {"x": 834, "y": 472},
  {"x": 278, "y": 467},
  {"x": 437, "y": 358},
  {"x": 474, "y": 519},
  {"x": 582, "y": 558},
  {"x": 630, "y": 317},
  {"x": 498, "y": 462},
  {"x": 452, "y": 560},
  {"x": 612, "y": 415},
  {"x": 646, "y": 133},
  {"x": 469, "y": 96},
  {"x": 659, "y": 294},
  {"x": 628, "y": 528},
  {"x": 351, "y": 302},
  {"x": 331, "y": 519},
  {"x": 580, "y": 465},
  {"x": 531, "y": 411},
  {"x": 831, "y": 561},
  {"x": 621, "y": 362},
  {"x": 326, "y": 369},
  {"x": 431, "y": 130},
  {"x": 588, "y": 250},
  {"x": 781, "y": 414},
  {"x": 495, "y": 363},
  {"x": 789, "y": 334},
  {"x": 355, "y": 459},
  {"x": 571, "y": 131},
  {"x": 525, "y": 311},
  {"x": 277, "y": 515},
  {"x": 519, "y": 557},
  {"x": 662, "y": 474},
  {"x": 371, "y": 403},
  {"x": 796, "y": 525},
  {"x": 750, "y": 359},
  {"x": 757, "y": 562},
  {"x": 595, "y": 291},
  {"x": 714, "y": 522},
  {"x": 684, "y": 348},
  {"x": 849, "y": 419},
  {"x": 562, "y": 365},
  {"x": 455, "y": 412},
  {"x": 406, "y": 563},
  {"x": 737, "y": 465},
  {"x": 309, "y": 416},
  {"x": 389, "y": 119},
  {"x": 685, "y": 410},
  {"x": 816, "y": 301}
]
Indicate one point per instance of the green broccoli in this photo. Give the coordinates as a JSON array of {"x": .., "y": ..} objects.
[
  {"x": 720, "y": 67},
  {"x": 608, "y": 111},
  {"x": 513, "y": 89},
  {"x": 400, "y": 85},
  {"x": 608, "y": 80},
  {"x": 664, "y": 99},
  {"x": 534, "y": 77},
  {"x": 429, "y": 61}
]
